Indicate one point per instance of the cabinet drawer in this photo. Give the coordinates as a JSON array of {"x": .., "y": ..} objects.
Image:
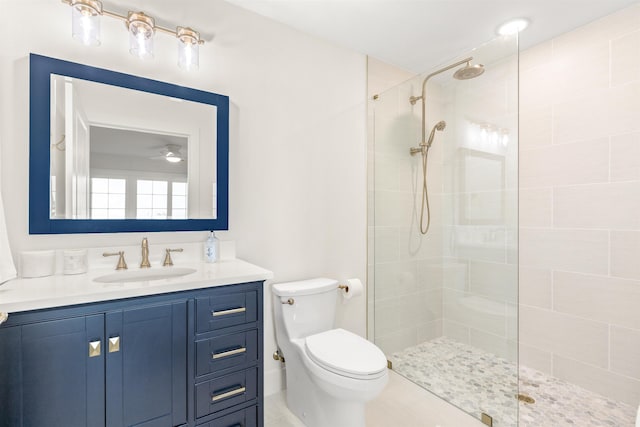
[
  {"x": 243, "y": 418},
  {"x": 226, "y": 391},
  {"x": 226, "y": 351},
  {"x": 226, "y": 309}
]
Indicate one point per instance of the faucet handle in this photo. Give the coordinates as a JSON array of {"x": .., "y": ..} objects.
[
  {"x": 122, "y": 265},
  {"x": 167, "y": 258}
]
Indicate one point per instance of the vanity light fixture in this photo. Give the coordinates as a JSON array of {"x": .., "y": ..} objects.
[{"x": 85, "y": 21}]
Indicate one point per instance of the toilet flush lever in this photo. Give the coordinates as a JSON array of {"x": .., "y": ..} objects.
[{"x": 290, "y": 301}]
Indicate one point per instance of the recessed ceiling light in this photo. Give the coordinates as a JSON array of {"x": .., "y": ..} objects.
[{"x": 512, "y": 27}]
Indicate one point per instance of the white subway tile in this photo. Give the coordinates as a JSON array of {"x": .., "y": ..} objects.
[
  {"x": 430, "y": 330},
  {"x": 536, "y": 55},
  {"x": 537, "y": 86},
  {"x": 494, "y": 280},
  {"x": 591, "y": 79},
  {"x": 625, "y": 62},
  {"x": 598, "y": 114},
  {"x": 535, "y": 127},
  {"x": 535, "y": 207},
  {"x": 474, "y": 311},
  {"x": 385, "y": 241},
  {"x": 494, "y": 344},
  {"x": 625, "y": 351},
  {"x": 584, "y": 251},
  {"x": 456, "y": 331},
  {"x": 568, "y": 336},
  {"x": 535, "y": 286},
  {"x": 392, "y": 208},
  {"x": 611, "y": 205},
  {"x": 430, "y": 274},
  {"x": 533, "y": 357},
  {"x": 394, "y": 279},
  {"x": 625, "y": 157},
  {"x": 602, "y": 381},
  {"x": 600, "y": 298},
  {"x": 566, "y": 164},
  {"x": 602, "y": 30},
  {"x": 396, "y": 341},
  {"x": 625, "y": 254}
]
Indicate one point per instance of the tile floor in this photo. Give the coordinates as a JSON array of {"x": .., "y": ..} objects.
[
  {"x": 402, "y": 403},
  {"x": 478, "y": 381}
]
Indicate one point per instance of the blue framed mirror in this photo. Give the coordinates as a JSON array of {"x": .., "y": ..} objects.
[{"x": 111, "y": 152}]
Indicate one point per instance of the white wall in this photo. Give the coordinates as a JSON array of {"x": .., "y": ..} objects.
[
  {"x": 297, "y": 149},
  {"x": 579, "y": 203}
]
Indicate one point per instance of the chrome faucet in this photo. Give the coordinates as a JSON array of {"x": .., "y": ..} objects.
[{"x": 145, "y": 254}]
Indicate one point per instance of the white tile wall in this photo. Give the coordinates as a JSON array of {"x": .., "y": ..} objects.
[{"x": 580, "y": 206}]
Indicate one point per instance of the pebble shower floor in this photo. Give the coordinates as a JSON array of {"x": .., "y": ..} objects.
[{"x": 477, "y": 381}]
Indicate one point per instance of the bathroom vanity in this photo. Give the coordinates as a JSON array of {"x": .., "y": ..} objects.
[{"x": 181, "y": 351}]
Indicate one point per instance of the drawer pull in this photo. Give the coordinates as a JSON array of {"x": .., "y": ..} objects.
[
  {"x": 230, "y": 311},
  {"x": 228, "y": 353},
  {"x": 228, "y": 394}
]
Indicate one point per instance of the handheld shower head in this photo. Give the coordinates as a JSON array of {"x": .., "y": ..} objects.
[{"x": 440, "y": 126}]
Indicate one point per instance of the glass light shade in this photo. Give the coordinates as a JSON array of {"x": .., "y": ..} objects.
[
  {"x": 188, "y": 49},
  {"x": 141, "y": 32},
  {"x": 85, "y": 22}
]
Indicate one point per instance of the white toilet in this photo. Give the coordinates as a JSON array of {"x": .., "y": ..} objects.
[{"x": 331, "y": 373}]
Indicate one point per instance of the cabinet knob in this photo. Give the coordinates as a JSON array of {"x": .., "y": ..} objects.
[
  {"x": 114, "y": 344},
  {"x": 94, "y": 348}
]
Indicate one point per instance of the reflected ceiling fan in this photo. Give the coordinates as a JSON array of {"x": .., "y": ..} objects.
[{"x": 171, "y": 153}]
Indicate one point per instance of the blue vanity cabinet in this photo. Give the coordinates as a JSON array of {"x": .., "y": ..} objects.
[
  {"x": 228, "y": 386},
  {"x": 153, "y": 361},
  {"x": 146, "y": 375},
  {"x": 48, "y": 376},
  {"x": 119, "y": 368}
]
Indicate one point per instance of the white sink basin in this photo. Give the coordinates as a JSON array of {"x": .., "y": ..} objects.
[{"x": 144, "y": 275}]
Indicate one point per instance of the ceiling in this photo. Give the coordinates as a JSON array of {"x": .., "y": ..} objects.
[{"x": 417, "y": 35}]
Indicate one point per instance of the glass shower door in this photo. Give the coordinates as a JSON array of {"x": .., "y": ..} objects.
[{"x": 445, "y": 303}]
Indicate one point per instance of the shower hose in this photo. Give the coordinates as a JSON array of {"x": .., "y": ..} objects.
[{"x": 424, "y": 201}]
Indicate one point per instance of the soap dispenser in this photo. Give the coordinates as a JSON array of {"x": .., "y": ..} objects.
[{"x": 211, "y": 248}]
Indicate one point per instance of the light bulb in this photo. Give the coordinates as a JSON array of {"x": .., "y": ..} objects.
[
  {"x": 85, "y": 21},
  {"x": 188, "y": 48}
]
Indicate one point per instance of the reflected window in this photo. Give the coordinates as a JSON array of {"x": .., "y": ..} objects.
[
  {"x": 108, "y": 197},
  {"x": 179, "y": 200},
  {"x": 152, "y": 197}
]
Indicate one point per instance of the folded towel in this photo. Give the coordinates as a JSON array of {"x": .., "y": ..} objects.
[{"x": 7, "y": 267}]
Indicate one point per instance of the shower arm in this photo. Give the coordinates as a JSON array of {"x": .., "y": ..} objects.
[{"x": 422, "y": 97}]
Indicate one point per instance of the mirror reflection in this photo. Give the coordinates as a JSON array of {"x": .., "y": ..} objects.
[{"x": 118, "y": 153}]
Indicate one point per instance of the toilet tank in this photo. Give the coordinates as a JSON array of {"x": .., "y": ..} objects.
[{"x": 313, "y": 309}]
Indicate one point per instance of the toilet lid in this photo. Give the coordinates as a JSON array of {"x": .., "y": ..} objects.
[{"x": 345, "y": 353}]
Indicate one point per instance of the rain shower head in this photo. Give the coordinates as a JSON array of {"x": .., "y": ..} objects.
[{"x": 468, "y": 72}]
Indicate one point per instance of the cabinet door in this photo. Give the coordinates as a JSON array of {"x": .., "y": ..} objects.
[
  {"x": 146, "y": 366},
  {"x": 60, "y": 369},
  {"x": 10, "y": 367}
]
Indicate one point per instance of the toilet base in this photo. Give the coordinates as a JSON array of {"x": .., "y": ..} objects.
[{"x": 314, "y": 407}]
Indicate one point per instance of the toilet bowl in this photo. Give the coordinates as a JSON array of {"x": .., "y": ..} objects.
[{"x": 331, "y": 373}]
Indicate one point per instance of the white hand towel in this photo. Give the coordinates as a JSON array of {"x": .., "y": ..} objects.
[{"x": 7, "y": 268}]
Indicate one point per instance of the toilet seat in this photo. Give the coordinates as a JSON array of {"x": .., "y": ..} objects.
[{"x": 347, "y": 354}]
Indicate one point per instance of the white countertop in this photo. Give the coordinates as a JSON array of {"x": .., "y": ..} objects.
[{"x": 62, "y": 290}]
